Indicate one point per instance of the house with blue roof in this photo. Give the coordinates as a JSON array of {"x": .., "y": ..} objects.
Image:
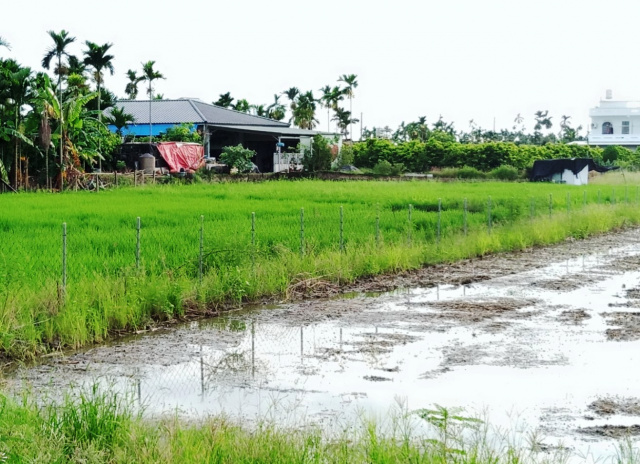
[{"x": 220, "y": 127}]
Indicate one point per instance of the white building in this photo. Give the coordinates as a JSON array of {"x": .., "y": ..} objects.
[{"x": 615, "y": 122}]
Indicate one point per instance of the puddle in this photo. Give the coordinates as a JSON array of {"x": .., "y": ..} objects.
[{"x": 552, "y": 347}]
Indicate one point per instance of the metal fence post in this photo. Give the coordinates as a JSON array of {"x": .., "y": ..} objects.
[
  {"x": 64, "y": 260},
  {"x": 464, "y": 216},
  {"x": 439, "y": 217},
  {"x": 550, "y": 204},
  {"x": 138, "y": 242},
  {"x": 201, "y": 248},
  {"x": 378, "y": 225},
  {"x": 531, "y": 208},
  {"x": 253, "y": 241},
  {"x": 341, "y": 229},
  {"x": 301, "y": 232},
  {"x": 410, "y": 223},
  {"x": 489, "y": 215}
]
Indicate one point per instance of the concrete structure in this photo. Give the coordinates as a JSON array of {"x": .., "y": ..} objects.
[
  {"x": 615, "y": 122},
  {"x": 220, "y": 127}
]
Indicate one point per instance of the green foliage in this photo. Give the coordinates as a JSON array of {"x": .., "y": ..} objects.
[
  {"x": 613, "y": 153},
  {"x": 107, "y": 293},
  {"x": 346, "y": 155},
  {"x": 385, "y": 168},
  {"x": 237, "y": 157},
  {"x": 442, "y": 152},
  {"x": 465, "y": 172},
  {"x": 181, "y": 133},
  {"x": 504, "y": 172},
  {"x": 318, "y": 158}
]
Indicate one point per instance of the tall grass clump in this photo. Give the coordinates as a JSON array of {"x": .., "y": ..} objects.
[
  {"x": 115, "y": 284},
  {"x": 89, "y": 426}
]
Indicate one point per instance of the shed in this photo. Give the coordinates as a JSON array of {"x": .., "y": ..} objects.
[{"x": 573, "y": 171}]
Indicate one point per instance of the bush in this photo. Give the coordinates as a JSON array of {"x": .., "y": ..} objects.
[
  {"x": 385, "y": 168},
  {"x": 318, "y": 158},
  {"x": 237, "y": 157},
  {"x": 504, "y": 172},
  {"x": 465, "y": 172}
]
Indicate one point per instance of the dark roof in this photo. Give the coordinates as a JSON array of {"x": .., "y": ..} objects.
[
  {"x": 189, "y": 110},
  {"x": 544, "y": 169}
]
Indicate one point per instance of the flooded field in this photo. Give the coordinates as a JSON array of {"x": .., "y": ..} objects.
[{"x": 545, "y": 344}]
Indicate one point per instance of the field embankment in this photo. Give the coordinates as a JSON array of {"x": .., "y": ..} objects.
[{"x": 199, "y": 247}]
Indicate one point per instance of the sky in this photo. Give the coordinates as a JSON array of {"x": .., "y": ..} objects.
[{"x": 485, "y": 60}]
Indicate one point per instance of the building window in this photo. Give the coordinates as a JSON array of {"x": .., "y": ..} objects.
[
  {"x": 607, "y": 128},
  {"x": 625, "y": 127}
]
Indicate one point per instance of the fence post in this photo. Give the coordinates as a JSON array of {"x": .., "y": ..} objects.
[
  {"x": 410, "y": 222},
  {"x": 550, "y": 204},
  {"x": 64, "y": 261},
  {"x": 378, "y": 225},
  {"x": 135, "y": 178},
  {"x": 138, "y": 242},
  {"x": 568, "y": 203},
  {"x": 201, "y": 248},
  {"x": 626, "y": 194},
  {"x": 584, "y": 199},
  {"x": 301, "y": 232},
  {"x": 439, "y": 217},
  {"x": 464, "y": 216},
  {"x": 253, "y": 241},
  {"x": 531, "y": 208},
  {"x": 341, "y": 229},
  {"x": 489, "y": 214}
]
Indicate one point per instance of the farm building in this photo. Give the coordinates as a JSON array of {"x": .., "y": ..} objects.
[
  {"x": 220, "y": 127},
  {"x": 574, "y": 171}
]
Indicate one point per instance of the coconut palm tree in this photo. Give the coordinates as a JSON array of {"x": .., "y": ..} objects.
[
  {"x": 75, "y": 66},
  {"x": 149, "y": 74},
  {"x": 225, "y": 100},
  {"x": 258, "y": 110},
  {"x": 344, "y": 120},
  {"x": 132, "y": 86},
  {"x": 351, "y": 83},
  {"x": 542, "y": 120},
  {"x": 61, "y": 41},
  {"x": 96, "y": 56},
  {"x": 4, "y": 43}
]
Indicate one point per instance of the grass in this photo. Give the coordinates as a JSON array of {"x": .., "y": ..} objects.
[
  {"x": 107, "y": 293},
  {"x": 97, "y": 427}
]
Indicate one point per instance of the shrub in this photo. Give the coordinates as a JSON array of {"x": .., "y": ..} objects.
[
  {"x": 465, "y": 172},
  {"x": 318, "y": 158},
  {"x": 237, "y": 157},
  {"x": 504, "y": 172},
  {"x": 385, "y": 168}
]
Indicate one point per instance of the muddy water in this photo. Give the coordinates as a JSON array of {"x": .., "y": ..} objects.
[{"x": 552, "y": 346}]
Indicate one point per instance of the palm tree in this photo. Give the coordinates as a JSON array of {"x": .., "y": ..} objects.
[
  {"x": 542, "y": 120},
  {"x": 325, "y": 100},
  {"x": 119, "y": 118},
  {"x": 276, "y": 110},
  {"x": 305, "y": 111},
  {"x": 344, "y": 120},
  {"x": 225, "y": 100},
  {"x": 352, "y": 83},
  {"x": 132, "y": 86},
  {"x": 292, "y": 94},
  {"x": 149, "y": 74},
  {"x": 4, "y": 43},
  {"x": 242, "y": 105},
  {"x": 258, "y": 110},
  {"x": 75, "y": 66},
  {"x": 96, "y": 56},
  {"x": 60, "y": 42}
]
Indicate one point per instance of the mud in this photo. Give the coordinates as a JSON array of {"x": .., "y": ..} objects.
[{"x": 552, "y": 334}]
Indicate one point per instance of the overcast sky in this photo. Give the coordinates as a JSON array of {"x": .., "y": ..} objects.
[{"x": 462, "y": 59}]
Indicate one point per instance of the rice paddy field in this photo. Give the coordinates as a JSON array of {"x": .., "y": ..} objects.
[{"x": 201, "y": 246}]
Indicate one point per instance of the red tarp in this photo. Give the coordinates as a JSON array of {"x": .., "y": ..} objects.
[{"x": 186, "y": 156}]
